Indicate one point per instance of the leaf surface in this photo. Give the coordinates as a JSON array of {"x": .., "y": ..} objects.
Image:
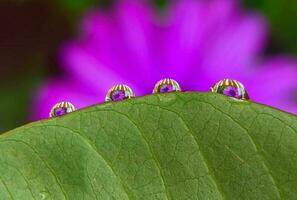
[{"x": 166, "y": 146}]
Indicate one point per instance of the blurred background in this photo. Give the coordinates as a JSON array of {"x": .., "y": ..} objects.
[{"x": 32, "y": 31}]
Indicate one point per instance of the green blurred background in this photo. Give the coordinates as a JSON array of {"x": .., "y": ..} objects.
[{"x": 32, "y": 30}]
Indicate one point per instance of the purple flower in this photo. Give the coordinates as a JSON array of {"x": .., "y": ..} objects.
[{"x": 196, "y": 43}]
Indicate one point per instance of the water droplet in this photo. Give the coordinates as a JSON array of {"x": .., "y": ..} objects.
[
  {"x": 43, "y": 195},
  {"x": 119, "y": 92},
  {"x": 166, "y": 85},
  {"x": 61, "y": 108},
  {"x": 231, "y": 88}
]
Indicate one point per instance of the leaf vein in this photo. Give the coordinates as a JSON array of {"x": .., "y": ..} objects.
[
  {"x": 50, "y": 169},
  {"x": 97, "y": 152},
  {"x": 269, "y": 171},
  {"x": 151, "y": 152}
]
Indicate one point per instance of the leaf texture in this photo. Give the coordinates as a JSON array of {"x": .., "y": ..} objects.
[{"x": 165, "y": 146}]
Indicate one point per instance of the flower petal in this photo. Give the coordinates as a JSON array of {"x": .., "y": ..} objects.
[
  {"x": 122, "y": 43},
  {"x": 97, "y": 26},
  {"x": 136, "y": 28},
  {"x": 189, "y": 25},
  {"x": 275, "y": 84},
  {"x": 230, "y": 50},
  {"x": 84, "y": 66},
  {"x": 181, "y": 36}
]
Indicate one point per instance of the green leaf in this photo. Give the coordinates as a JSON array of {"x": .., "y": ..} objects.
[{"x": 167, "y": 146}]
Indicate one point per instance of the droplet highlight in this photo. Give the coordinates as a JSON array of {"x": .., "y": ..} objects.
[
  {"x": 231, "y": 88},
  {"x": 61, "y": 109},
  {"x": 166, "y": 85},
  {"x": 119, "y": 92}
]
